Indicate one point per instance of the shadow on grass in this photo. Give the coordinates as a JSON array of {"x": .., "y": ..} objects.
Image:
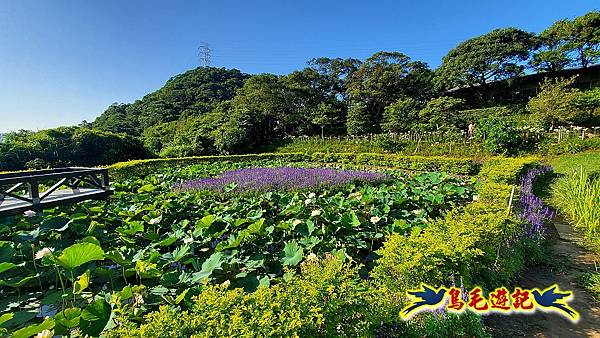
[{"x": 542, "y": 187}]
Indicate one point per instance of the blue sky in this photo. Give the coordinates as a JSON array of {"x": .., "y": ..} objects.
[{"x": 62, "y": 62}]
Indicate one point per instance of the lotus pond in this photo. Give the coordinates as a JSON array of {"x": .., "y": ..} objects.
[{"x": 72, "y": 268}]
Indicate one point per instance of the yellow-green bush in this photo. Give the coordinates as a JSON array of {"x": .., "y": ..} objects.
[
  {"x": 325, "y": 300},
  {"x": 505, "y": 169},
  {"x": 468, "y": 242}
]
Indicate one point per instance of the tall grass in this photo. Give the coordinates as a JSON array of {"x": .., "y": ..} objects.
[{"x": 577, "y": 196}]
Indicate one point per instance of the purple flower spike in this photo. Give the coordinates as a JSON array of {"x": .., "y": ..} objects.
[{"x": 533, "y": 213}]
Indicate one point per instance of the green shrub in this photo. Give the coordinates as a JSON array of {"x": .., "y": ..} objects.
[
  {"x": 468, "y": 242},
  {"x": 506, "y": 170},
  {"x": 67, "y": 146},
  {"x": 500, "y": 135},
  {"x": 555, "y": 104},
  {"x": 325, "y": 300}
]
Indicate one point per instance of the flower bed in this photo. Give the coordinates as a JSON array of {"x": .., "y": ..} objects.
[
  {"x": 280, "y": 179},
  {"x": 533, "y": 211}
]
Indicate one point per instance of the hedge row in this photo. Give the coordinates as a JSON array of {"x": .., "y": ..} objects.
[
  {"x": 461, "y": 166},
  {"x": 470, "y": 241},
  {"x": 328, "y": 299}
]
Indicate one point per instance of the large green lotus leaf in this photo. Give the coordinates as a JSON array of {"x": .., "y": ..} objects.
[
  {"x": 79, "y": 254},
  {"x": 256, "y": 227},
  {"x": 66, "y": 320},
  {"x": 206, "y": 221},
  {"x": 350, "y": 219},
  {"x": 5, "y": 266},
  {"x": 211, "y": 264},
  {"x": 6, "y": 251},
  {"x": 18, "y": 318},
  {"x": 147, "y": 188},
  {"x": 292, "y": 254},
  {"x": 5, "y": 317},
  {"x": 32, "y": 330},
  {"x": 180, "y": 252},
  {"x": 94, "y": 317},
  {"x": 81, "y": 283},
  {"x": 16, "y": 282}
]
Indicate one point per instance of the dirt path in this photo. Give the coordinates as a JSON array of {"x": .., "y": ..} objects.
[{"x": 567, "y": 261}]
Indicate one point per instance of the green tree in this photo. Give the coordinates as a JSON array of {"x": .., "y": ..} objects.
[
  {"x": 193, "y": 135},
  {"x": 584, "y": 40},
  {"x": 326, "y": 114},
  {"x": 589, "y": 106},
  {"x": 337, "y": 71},
  {"x": 310, "y": 94},
  {"x": 552, "y": 51},
  {"x": 192, "y": 93},
  {"x": 381, "y": 80},
  {"x": 160, "y": 136},
  {"x": 116, "y": 119},
  {"x": 442, "y": 113},
  {"x": 401, "y": 116},
  {"x": 259, "y": 113},
  {"x": 555, "y": 104},
  {"x": 360, "y": 119},
  {"x": 67, "y": 146},
  {"x": 494, "y": 56}
]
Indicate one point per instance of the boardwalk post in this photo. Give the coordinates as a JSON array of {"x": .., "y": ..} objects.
[
  {"x": 105, "y": 182},
  {"x": 34, "y": 192}
]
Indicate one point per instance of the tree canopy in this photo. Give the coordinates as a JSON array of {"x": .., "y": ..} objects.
[
  {"x": 494, "y": 56},
  {"x": 194, "y": 92}
]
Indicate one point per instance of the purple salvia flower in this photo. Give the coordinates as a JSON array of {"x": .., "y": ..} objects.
[{"x": 281, "y": 178}]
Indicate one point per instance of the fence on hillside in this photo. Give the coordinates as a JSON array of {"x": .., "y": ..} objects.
[{"x": 559, "y": 134}]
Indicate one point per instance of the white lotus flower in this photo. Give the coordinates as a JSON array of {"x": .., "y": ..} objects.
[
  {"x": 43, "y": 253},
  {"x": 29, "y": 213},
  {"x": 311, "y": 257},
  {"x": 375, "y": 219},
  {"x": 296, "y": 222},
  {"x": 315, "y": 212},
  {"x": 188, "y": 240},
  {"x": 154, "y": 221},
  {"x": 45, "y": 334},
  {"x": 307, "y": 201},
  {"x": 312, "y": 195}
]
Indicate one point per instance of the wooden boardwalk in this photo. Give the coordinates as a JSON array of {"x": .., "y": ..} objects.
[{"x": 21, "y": 191}]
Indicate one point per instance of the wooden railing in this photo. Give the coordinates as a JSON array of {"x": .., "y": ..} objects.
[{"x": 65, "y": 185}]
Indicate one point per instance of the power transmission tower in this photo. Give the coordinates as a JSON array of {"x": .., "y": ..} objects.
[{"x": 204, "y": 52}]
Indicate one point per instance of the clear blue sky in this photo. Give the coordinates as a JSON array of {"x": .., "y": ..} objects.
[{"x": 62, "y": 62}]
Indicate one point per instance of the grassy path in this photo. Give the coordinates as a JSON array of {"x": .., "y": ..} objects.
[{"x": 566, "y": 262}]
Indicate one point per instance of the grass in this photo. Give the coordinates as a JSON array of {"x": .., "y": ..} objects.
[
  {"x": 591, "y": 282},
  {"x": 590, "y": 161},
  {"x": 576, "y": 193}
]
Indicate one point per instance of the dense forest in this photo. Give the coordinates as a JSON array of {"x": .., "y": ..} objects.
[{"x": 215, "y": 110}]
